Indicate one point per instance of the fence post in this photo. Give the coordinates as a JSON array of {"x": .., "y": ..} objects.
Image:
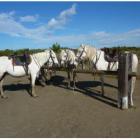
[
  {"x": 129, "y": 77},
  {"x": 123, "y": 81}
]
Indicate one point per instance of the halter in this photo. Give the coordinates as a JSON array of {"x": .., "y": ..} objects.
[
  {"x": 82, "y": 53},
  {"x": 50, "y": 57}
]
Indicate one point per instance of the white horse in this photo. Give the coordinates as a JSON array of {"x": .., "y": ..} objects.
[
  {"x": 68, "y": 60},
  {"x": 37, "y": 61},
  {"x": 98, "y": 59}
]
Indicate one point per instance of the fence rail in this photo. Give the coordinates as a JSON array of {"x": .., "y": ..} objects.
[
  {"x": 125, "y": 79},
  {"x": 104, "y": 72}
]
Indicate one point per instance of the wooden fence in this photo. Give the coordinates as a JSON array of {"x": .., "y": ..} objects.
[
  {"x": 124, "y": 75},
  {"x": 125, "y": 80}
]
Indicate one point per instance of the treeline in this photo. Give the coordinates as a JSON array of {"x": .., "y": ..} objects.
[
  {"x": 127, "y": 48},
  {"x": 135, "y": 50},
  {"x": 56, "y": 48},
  {"x": 8, "y": 52}
]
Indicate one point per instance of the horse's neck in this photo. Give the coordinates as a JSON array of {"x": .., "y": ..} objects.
[
  {"x": 40, "y": 58},
  {"x": 91, "y": 52}
]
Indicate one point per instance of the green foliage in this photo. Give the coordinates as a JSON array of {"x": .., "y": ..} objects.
[
  {"x": 8, "y": 52},
  {"x": 132, "y": 49},
  {"x": 56, "y": 48}
]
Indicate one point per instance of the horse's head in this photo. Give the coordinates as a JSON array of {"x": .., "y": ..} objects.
[
  {"x": 81, "y": 53},
  {"x": 63, "y": 57},
  {"x": 71, "y": 57},
  {"x": 52, "y": 58}
]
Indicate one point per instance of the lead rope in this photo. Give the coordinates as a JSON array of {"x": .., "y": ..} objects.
[
  {"x": 97, "y": 59},
  {"x": 94, "y": 67}
]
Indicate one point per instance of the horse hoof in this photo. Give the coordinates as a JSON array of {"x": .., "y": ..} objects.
[
  {"x": 132, "y": 106},
  {"x": 43, "y": 85},
  {"x": 4, "y": 97},
  {"x": 73, "y": 89},
  {"x": 34, "y": 96}
]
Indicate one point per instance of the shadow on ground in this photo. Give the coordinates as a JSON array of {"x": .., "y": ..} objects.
[
  {"x": 16, "y": 87},
  {"x": 86, "y": 88}
]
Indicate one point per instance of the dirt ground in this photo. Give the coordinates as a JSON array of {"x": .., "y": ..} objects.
[{"x": 59, "y": 112}]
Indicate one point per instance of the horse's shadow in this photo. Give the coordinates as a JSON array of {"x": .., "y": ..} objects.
[
  {"x": 57, "y": 81},
  {"x": 84, "y": 87},
  {"x": 18, "y": 86},
  {"x": 96, "y": 94}
]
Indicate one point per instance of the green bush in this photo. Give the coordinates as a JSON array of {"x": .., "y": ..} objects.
[{"x": 56, "y": 48}]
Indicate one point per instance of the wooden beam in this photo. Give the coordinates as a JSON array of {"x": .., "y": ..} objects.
[{"x": 103, "y": 72}]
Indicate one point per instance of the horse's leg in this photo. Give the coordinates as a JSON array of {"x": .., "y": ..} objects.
[
  {"x": 33, "y": 78},
  {"x": 74, "y": 80},
  {"x": 102, "y": 83},
  {"x": 50, "y": 74},
  {"x": 68, "y": 72},
  {"x": 131, "y": 90},
  {"x": 1, "y": 87}
]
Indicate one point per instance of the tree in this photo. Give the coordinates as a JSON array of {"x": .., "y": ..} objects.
[{"x": 56, "y": 48}]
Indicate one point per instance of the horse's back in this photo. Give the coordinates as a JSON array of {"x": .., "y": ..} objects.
[{"x": 4, "y": 59}]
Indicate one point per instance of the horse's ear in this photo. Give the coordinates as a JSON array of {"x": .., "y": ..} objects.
[
  {"x": 82, "y": 45},
  {"x": 45, "y": 50}
]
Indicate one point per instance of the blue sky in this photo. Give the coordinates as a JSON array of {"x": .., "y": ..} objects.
[{"x": 40, "y": 24}]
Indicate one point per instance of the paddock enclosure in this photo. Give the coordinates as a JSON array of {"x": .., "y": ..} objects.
[{"x": 60, "y": 112}]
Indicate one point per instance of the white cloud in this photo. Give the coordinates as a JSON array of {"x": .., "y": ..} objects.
[
  {"x": 9, "y": 25},
  {"x": 66, "y": 13},
  {"x": 62, "y": 18},
  {"x": 29, "y": 18},
  {"x": 99, "y": 39}
]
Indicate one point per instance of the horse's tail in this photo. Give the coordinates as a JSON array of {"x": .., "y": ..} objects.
[
  {"x": 2, "y": 77},
  {"x": 134, "y": 63}
]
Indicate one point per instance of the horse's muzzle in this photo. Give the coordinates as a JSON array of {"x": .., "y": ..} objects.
[{"x": 56, "y": 65}]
